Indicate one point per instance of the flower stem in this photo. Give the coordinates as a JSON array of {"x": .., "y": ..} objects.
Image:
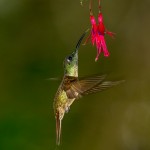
[
  {"x": 99, "y": 5},
  {"x": 90, "y": 7}
]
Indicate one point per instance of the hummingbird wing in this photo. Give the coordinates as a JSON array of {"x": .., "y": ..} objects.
[
  {"x": 102, "y": 86},
  {"x": 78, "y": 87},
  {"x": 53, "y": 79},
  {"x": 89, "y": 85}
]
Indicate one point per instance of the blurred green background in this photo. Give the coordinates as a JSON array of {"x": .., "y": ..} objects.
[{"x": 35, "y": 37}]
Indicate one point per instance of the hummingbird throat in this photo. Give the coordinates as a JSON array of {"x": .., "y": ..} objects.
[{"x": 73, "y": 71}]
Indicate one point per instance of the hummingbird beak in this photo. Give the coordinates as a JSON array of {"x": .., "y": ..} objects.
[
  {"x": 58, "y": 129},
  {"x": 80, "y": 40}
]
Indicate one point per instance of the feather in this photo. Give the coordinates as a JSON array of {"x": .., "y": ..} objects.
[{"x": 76, "y": 88}]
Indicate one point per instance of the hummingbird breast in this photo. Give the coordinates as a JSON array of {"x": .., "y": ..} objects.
[
  {"x": 62, "y": 98},
  {"x": 61, "y": 101}
]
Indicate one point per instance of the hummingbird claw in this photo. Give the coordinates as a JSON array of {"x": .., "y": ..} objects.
[{"x": 67, "y": 109}]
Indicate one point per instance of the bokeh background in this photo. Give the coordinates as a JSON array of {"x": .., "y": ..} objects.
[{"x": 35, "y": 37}]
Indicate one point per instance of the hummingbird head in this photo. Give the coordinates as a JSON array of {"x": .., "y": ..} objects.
[
  {"x": 71, "y": 64},
  {"x": 71, "y": 61}
]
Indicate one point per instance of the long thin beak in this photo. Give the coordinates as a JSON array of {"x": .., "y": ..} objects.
[
  {"x": 80, "y": 40},
  {"x": 58, "y": 130}
]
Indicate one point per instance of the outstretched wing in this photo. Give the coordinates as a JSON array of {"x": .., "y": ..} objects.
[
  {"x": 102, "y": 86},
  {"x": 78, "y": 88}
]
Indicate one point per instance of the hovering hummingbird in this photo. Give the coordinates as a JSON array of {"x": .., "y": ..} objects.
[{"x": 72, "y": 88}]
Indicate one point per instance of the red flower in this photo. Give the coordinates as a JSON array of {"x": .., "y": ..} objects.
[
  {"x": 97, "y": 34},
  {"x": 93, "y": 30}
]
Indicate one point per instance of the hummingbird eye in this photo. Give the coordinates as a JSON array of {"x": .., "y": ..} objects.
[{"x": 69, "y": 59}]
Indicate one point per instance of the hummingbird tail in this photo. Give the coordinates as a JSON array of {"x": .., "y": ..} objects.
[{"x": 58, "y": 130}]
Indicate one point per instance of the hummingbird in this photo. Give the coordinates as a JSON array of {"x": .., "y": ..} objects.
[{"x": 72, "y": 87}]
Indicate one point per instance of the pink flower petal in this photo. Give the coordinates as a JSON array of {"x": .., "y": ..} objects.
[
  {"x": 101, "y": 27},
  {"x": 105, "y": 50},
  {"x": 93, "y": 21},
  {"x": 110, "y": 34},
  {"x": 98, "y": 53},
  {"x": 100, "y": 17}
]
